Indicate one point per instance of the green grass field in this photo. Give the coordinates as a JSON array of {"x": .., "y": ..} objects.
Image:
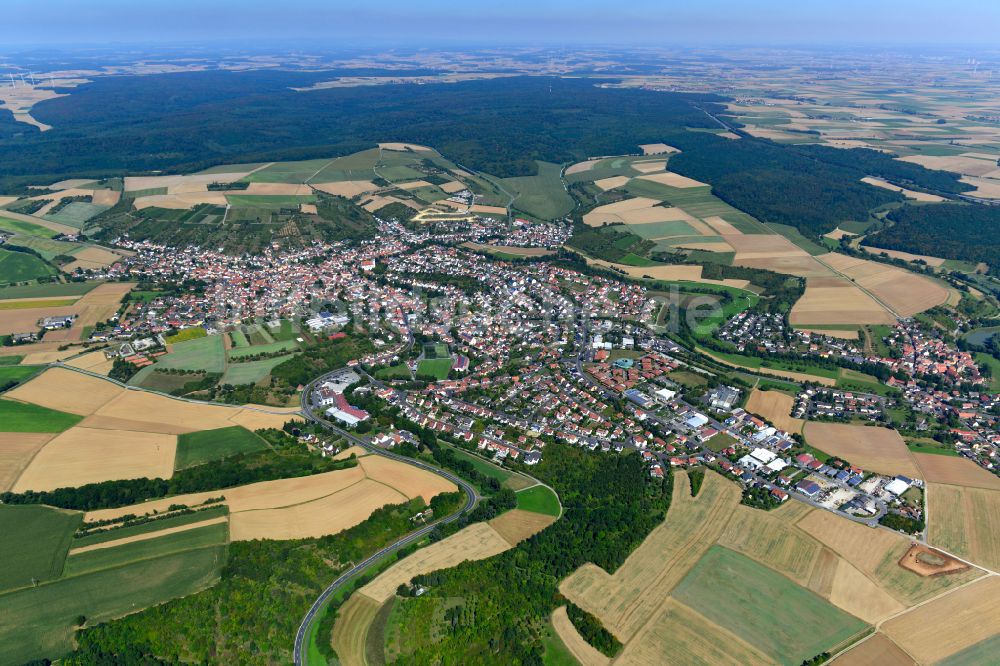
[
  {"x": 435, "y": 350},
  {"x": 251, "y": 372},
  {"x": 38, "y": 622},
  {"x": 114, "y": 534},
  {"x": 267, "y": 348},
  {"x": 539, "y": 499},
  {"x": 983, "y": 652},
  {"x": 10, "y": 360},
  {"x": 34, "y": 544},
  {"x": 77, "y": 213},
  {"x": 186, "y": 334},
  {"x": 510, "y": 479},
  {"x": 350, "y": 167},
  {"x": 26, "y": 417},
  {"x": 12, "y": 375},
  {"x": 781, "y": 619},
  {"x": 48, "y": 247},
  {"x": 239, "y": 339},
  {"x": 399, "y": 371},
  {"x": 137, "y": 551},
  {"x": 987, "y": 361},
  {"x": 541, "y": 196},
  {"x": 555, "y": 652},
  {"x": 663, "y": 229},
  {"x": 195, "y": 448},
  {"x": 289, "y": 172},
  {"x": 206, "y": 353},
  {"x": 24, "y": 227},
  {"x": 49, "y": 289},
  {"x": 21, "y": 267},
  {"x": 928, "y": 445},
  {"x": 437, "y": 367}
]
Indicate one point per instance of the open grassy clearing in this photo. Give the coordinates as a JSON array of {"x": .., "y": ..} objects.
[
  {"x": 539, "y": 499},
  {"x": 566, "y": 645},
  {"x": 25, "y": 417},
  {"x": 192, "y": 333},
  {"x": 799, "y": 627},
  {"x": 25, "y": 227},
  {"x": 204, "y": 353},
  {"x": 151, "y": 527},
  {"x": 267, "y": 348},
  {"x": 196, "y": 448},
  {"x": 11, "y": 375},
  {"x": 146, "y": 549},
  {"x": 40, "y": 620},
  {"x": 34, "y": 544},
  {"x": 21, "y": 267},
  {"x": 511, "y": 480},
  {"x": 541, "y": 196},
  {"x": 251, "y": 372},
  {"x": 48, "y": 290}
]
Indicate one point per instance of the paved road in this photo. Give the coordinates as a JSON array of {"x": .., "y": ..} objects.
[{"x": 413, "y": 537}]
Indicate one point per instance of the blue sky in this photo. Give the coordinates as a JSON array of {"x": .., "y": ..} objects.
[{"x": 432, "y": 22}]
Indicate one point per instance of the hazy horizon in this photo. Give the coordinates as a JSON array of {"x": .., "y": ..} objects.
[{"x": 558, "y": 22}]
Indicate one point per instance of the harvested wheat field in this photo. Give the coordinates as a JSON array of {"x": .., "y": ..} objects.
[
  {"x": 877, "y": 449},
  {"x": 909, "y": 194},
  {"x": 672, "y": 179},
  {"x": 835, "y": 300},
  {"x": 776, "y": 407},
  {"x": 182, "y": 201},
  {"x": 680, "y": 635},
  {"x": 666, "y": 272},
  {"x": 580, "y": 167},
  {"x": 721, "y": 227},
  {"x": 16, "y": 451},
  {"x": 657, "y": 149},
  {"x": 611, "y": 213},
  {"x": 91, "y": 258},
  {"x": 346, "y": 188},
  {"x": 351, "y": 451},
  {"x": 855, "y": 593},
  {"x": 926, "y": 561},
  {"x": 775, "y": 253},
  {"x": 904, "y": 292},
  {"x": 966, "y": 522},
  {"x": 650, "y": 167},
  {"x": 106, "y": 197},
  {"x": 488, "y": 210},
  {"x": 327, "y": 515},
  {"x": 67, "y": 391},
  {"x": 875, "y": 651},
  {"x": 133, "y": 183},
  {"x": 308, "y": 209},
  {"x": 876, "y": 553},
  {"x": 80, "y": 456},
  {"x": 624, "y": 601},
  {"x": 351, "y": 629},
  {"x": 963, "y": 164},
  {"x": 475, "y": 542},
  {"x": 149, "y": 535},
  {"x": 517, "y": 525},
  {"x": 413, "y": 184},
  {"x": 452, "y": 186},
  {"x": 92, "y": 361},
  {"x": 954, "y": 471},
  {"x": 612, "y": 182},
  {"x": 405, "y": 147},
  {"x": 586, "y": 654},
  {"x": 252, "y": 419},
  {"x": 290, "y": 492},
  {"x": 950, "y": 624},
  {"x": 23, "y": 320},
  {"x": 905, "y": 256},
  {"x": 406, "y": 479},
  {"x": 278, "y": 189},
  {"x": 986, "y": 188}
]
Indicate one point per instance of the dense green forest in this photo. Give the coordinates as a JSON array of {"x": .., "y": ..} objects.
[
  {"x": 812, "y": 188},
  {"x": 189, "y": 121},
  {"x": 611, "y": 503},
  {"x": 954, "y": 231},
  {"x": 322, "y": 357}
]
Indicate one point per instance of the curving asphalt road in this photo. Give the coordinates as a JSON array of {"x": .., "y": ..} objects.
[{"x": 470, "y": 502}]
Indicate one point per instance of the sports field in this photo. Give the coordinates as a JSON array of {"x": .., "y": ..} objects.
[
  {"x": 784, "y": 621},
  {"x": 34, "y": 544},
  {"x": 539, "y": 499},
  {"x": 204, "y": 446},
  {"x": 436, "y": 367}
]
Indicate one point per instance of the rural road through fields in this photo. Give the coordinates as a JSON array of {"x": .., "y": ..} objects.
[{"x": 413, "y": 537}]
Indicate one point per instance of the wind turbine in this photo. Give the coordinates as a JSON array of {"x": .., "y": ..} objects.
[
  {"x": 12, "y": 83},
  {"x": 31, "y": 75}
]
